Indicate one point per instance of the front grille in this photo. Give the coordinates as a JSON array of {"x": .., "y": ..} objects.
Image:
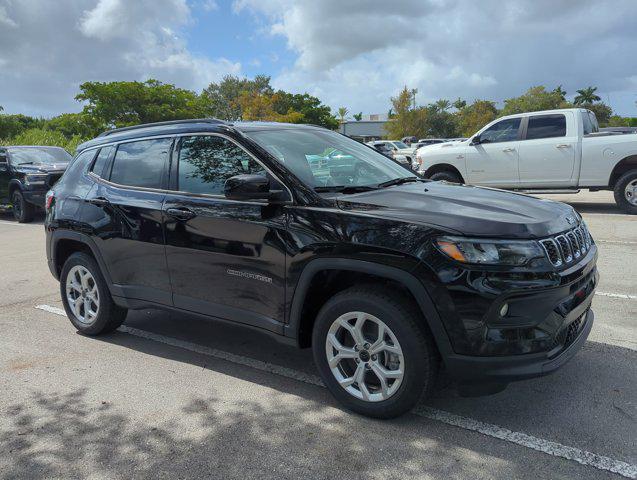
[{"x": 567, "y": 247}]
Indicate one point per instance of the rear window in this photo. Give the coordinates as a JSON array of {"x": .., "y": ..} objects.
[
  {"x": 546, "y": 126},
  {"x": 141, "y": 164}
]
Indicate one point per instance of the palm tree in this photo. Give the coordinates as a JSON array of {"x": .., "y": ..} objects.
[
  {"x": 459, "y": 104},
  {"x": 586, "y": 95},
  {"x": 342, "y": 111},
  {"x": 561, "y": 92},
  {"x": 442, "y": 105}
]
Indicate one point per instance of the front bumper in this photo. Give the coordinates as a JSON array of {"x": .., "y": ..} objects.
[
  {"x": 506, "y": 369},
  {"x": 35, "y": 197}
]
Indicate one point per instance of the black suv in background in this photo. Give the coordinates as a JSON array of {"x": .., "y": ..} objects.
[
  {"x": 386, "y": 276},
  {"x": 26, "y": 173}
]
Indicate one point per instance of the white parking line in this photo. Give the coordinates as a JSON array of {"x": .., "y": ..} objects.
[
  {"x": 616, "y": 242},
  {"x": 545, "y": 446},
  {"x": 617, "y": 295}
]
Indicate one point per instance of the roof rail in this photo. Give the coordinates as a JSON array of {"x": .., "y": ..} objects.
[{"x": 159, "y": 124}]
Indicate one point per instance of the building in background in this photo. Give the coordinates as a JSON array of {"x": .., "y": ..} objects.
[{"x": 370, "y": 127}]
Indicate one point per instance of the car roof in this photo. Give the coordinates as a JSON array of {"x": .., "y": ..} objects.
[{"x": 175, "y": 127}]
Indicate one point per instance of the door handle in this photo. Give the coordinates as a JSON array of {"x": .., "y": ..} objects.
[
  {"x": 563, "y": 145},
  {"x": 99, "y": 201},
  {"x": 509, "y": 150},
  {"x": 181, "y": 213}
]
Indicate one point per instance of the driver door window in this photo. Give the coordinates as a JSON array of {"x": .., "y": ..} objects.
[{"x": 504, "y": 131}]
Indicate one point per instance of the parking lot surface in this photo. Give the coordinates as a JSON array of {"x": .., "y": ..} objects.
[{"x": 168, "y": 396}]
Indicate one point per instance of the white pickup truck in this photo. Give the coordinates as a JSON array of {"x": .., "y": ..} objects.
[{"x": 553, "y": 151}]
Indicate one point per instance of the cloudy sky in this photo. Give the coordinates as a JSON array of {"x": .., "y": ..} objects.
[{"x": 349, "y": 53}]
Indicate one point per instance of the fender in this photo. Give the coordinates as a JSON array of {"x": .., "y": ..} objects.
[
  {"x": 15, "y": 184},
  {"x": 417, "y": 289},
  {"x": 58, "y": 235}
]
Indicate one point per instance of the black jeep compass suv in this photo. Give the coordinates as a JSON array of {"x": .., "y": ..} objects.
[{"x": 386, "y": 276}]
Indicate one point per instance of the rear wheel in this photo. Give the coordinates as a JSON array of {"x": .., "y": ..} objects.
[
  {"x": 447, "y": 176},
  {"x": 23, "y": 211},
  {"x": 371, "y": 352},
  {"x": 626, "y": 192},
  {"x": 86, "y": 298}
]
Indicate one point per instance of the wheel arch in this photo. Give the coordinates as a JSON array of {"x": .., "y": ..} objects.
[
  {"x": 623, "y": 166},
  {"x": 13, "y": 186},
  {"x": 300, "y": 321},
  {"x": 443, "y": 167}
]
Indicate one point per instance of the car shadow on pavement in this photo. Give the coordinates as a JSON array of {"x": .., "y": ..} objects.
[{"x": 596, "y": 207}]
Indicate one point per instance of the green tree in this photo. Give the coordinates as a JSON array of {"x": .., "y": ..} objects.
[
  {"x": 41, "y": 136},
  {"x": 118, "y": 104},
  {"x": 602, "y": 111},
  {"x": 358, "y": 116},
  {"x": 535, "y": 99},
  {"x": 342, "y": 112},
  {"x": 260, "y": 107},
  {"x": 442, "y": 105},
  {"x": 586, "y": 96},
  {"x": 12, "y": 125},
  {"x": 70, "y": 124},
  {"x": 311, "y": 108},
  {"x": 560, "y": 91},
  {"x": 475, "y": 116},
  {"x": 221, "y": 100},
  {"x": 459, "y": 104},
  {"x": 405, "y": 120}
]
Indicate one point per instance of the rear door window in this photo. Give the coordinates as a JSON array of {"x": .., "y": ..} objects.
[
  {"x": 141, "y": 164},
  {"x": 546, "y": 126},
  {"x": 207, "y": 161}
]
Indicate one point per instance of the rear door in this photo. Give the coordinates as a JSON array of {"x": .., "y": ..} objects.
[
  {"x": 226, "y": 258},
  {"x": 494, "y": 161},
  {"x": 124, "y": 210},
  {"x": 547, "y": 151}
]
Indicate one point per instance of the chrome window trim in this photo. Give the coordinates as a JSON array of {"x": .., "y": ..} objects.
[{"x": 180, "y": 192}]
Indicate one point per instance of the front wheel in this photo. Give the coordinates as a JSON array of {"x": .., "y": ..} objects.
[
  {"x": 626, "y": 192},
  {"x": 446, "y": 176},
  {"x": 373, "y": 352},
  {"x": 86, "y": 298},
  {"x": 23, "y": 211}
]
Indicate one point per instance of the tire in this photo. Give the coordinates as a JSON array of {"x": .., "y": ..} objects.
[
  {"x": 447, "y": 176},
  {"x": 626, "y": 192},
  {"x": 405, "y": 329},
  {"x": 23, "y": 211},
  {"x": 108, "y": 316}
]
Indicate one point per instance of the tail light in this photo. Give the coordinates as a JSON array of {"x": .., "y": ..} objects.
[{"x": 50, "y": 196}]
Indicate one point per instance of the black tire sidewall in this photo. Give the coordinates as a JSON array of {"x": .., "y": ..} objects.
[
  {"x": 106, "y": 303},
  {"x": 414, "y": 353},
  {"x": 446, "y": 176},
  {"x": 26, "y": 213},
  {"x": 620, "y": 186}
]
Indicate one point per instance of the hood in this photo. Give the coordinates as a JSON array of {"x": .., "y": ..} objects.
[
  {"x": 42, "y": 168},
  {"x": 465, "y": 209}
]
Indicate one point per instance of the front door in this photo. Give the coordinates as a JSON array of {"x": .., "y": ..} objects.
[
  {"x": 226, "y": 258},
  {"x": 494, "y": 161},
  {"x": 547, "y": 151}
]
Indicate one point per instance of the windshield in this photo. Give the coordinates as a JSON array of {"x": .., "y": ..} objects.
[
  {"x": 38, "y": 155},
  {"x": 400, "y": 145},
  {"x": 321, "y": 158}
]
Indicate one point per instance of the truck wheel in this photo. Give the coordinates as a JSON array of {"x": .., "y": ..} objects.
[
  {"x": 446, "y": 176},
  {"x": 373, "y": 352},
  {"x": 626, "y": 192},
  {"x": 23, "y": 211},
  {"x": 86, "y": 298}
]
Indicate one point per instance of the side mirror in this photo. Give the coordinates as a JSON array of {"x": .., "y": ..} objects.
[
  {"x": 476, "y": 140},
  {"x": 251, "y": 187}
]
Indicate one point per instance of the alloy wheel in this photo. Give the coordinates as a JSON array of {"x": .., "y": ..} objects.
[
  {"x": 82, "y": 294},
  {"x": 630, "y": 192},
  {"x": 365, "y": 356}
]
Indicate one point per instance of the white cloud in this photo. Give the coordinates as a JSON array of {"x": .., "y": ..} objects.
[
  {"x": 358, "y": 53},
  {"x": 63, "y": 43}
]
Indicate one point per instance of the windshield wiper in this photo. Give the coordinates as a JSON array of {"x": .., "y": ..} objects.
[
  {"x": 398, "y": 181},
  {"x": 26, "y": 163},
  {"x": 345, "y": 188}
]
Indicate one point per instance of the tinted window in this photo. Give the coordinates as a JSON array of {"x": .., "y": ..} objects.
[
  {"x": 503, "y": 131},
  {"x": 141, "y": 164},
  {"x": 206, "y": 162},
  {"x": 100, "y": 161},
  {"x": 546, "y": 126}
]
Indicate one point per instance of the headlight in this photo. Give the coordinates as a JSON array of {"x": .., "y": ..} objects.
[
  {"x": 490, "y": 252},
  {"x": 36, "y": 179}
]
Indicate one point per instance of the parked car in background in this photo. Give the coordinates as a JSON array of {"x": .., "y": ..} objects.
[
  {"x": 558, "y": 151},
  {"x": 409, "y": 140},
  {"x": 386, "y": 276},
  {"x": 26, "y": 173},
  {"x": 396, "y": 149},
  {"x": 618, "y": 130}
]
